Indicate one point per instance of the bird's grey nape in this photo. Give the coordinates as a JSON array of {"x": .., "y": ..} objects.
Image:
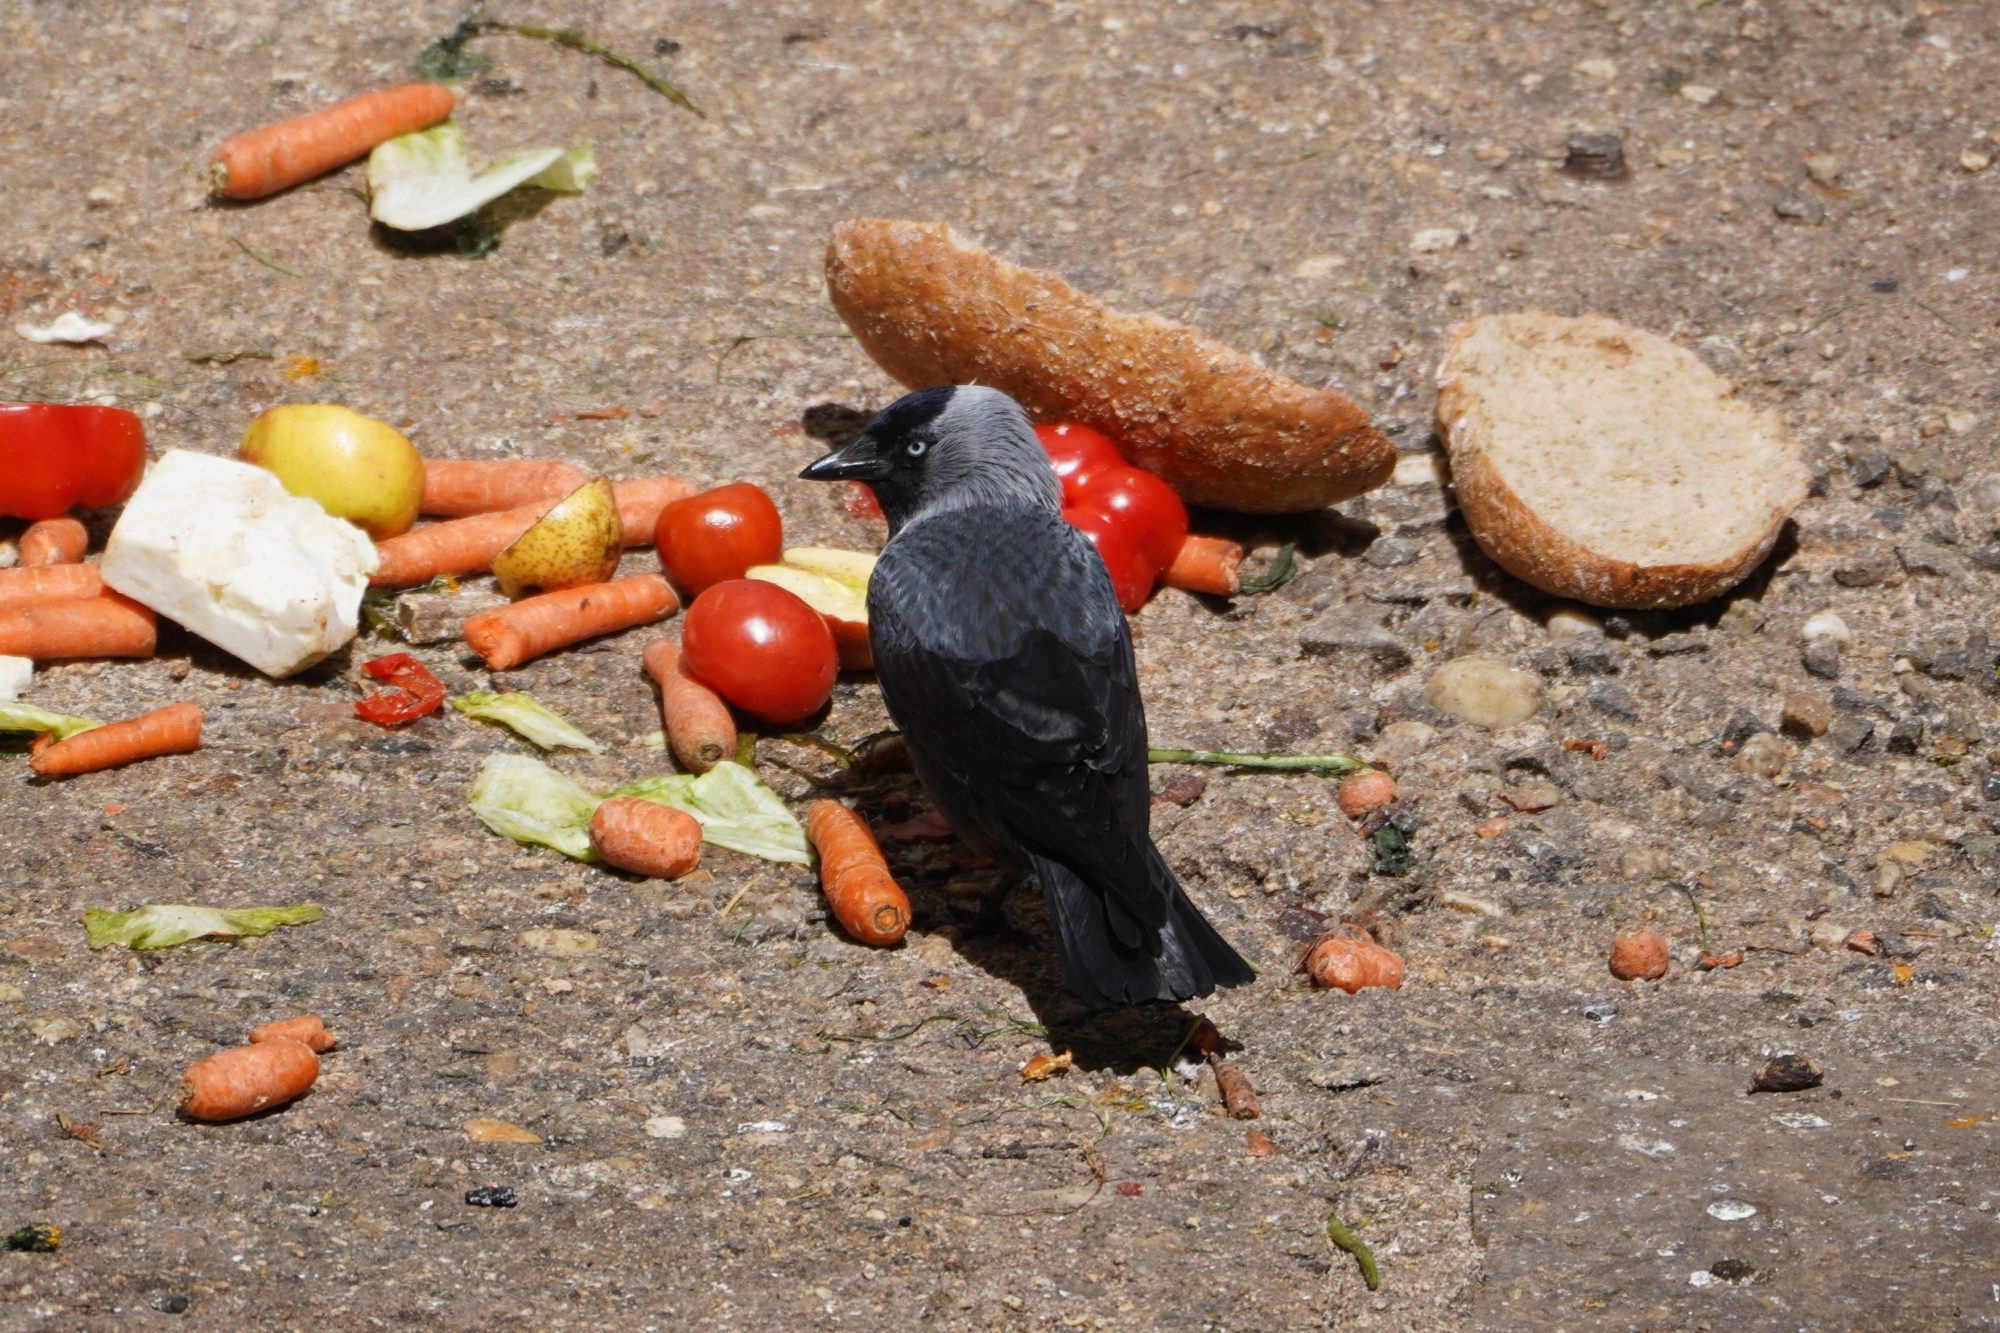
[{"x": 987, "y": 454}]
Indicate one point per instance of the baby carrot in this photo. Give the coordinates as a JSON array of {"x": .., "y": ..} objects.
[
  {"x": 306, "y": 1028},
  {"x": 468, "y": 545},
  {"x": 53, "y": 541},
  {"x": 510, "y": 635},
  {"x": 1206, "y": 564},
  {"x": 645, "y": 837},
  {"x": 175, "y": 729},
  {"x": 107, "y": 626},
  {"x": 48, "y": 583},
  {"x": 247, "y": 1079},
  {"x": 864, "y": 899},
  {"x": 700, "y": 727},
  {"x": 456, "y": 487},
  {"x": 277, "y": 156}
]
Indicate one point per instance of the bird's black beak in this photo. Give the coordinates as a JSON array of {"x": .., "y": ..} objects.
[{"x": 857, "y": 460}]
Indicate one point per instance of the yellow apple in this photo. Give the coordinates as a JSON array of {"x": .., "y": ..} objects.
[{"x": 357, "y": 468}]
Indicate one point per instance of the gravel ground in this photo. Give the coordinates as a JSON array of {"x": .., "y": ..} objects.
[{"x": 740, "y": 1120}]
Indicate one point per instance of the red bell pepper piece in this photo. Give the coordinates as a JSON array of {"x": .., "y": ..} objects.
[
  {"x": 413, "y": 691},
  {"x": 57, "y": 456}
]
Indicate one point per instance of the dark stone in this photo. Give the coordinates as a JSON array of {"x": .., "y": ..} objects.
[
  {"x": 1906, "y": 736},
  {"x": 1822, "y": 658},
  {"x": 1987, "y": 556},
  {"x": 171, "y": 1304},
  {"x": 1884, "y": 285},
  {"x": 1789, "y": 1072},
  {"x": 1613, "y": 700},
  {"x": 1849, "y": 734},
  {"x": 1866, "y": 570},
  {"x": 1945, "y": 532},
  {"x": 1390, "y": 552},
  {"x": 1598, "y": 157},
  {"x": 1674, "y": 645},
  {"x": 1742, "y": 725},
  {"x": 1591, "y": 658},
  {"x": 1893, "y": 519},
  {"x": 1989, "y": 786},
  {"x": 491, "y": 1196},
  {"x": 1870, "y": 469}
]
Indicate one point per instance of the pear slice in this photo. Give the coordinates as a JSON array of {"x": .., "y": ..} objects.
[
  {"x": 578, "y": 541},
  {"x": 849, "y": 567},
  {"x": 843, "y": 607}
]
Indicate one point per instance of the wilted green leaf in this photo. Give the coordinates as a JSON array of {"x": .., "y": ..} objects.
[
  {"x": 527, "y": 717},
  {"x": 163, "y": 925}
]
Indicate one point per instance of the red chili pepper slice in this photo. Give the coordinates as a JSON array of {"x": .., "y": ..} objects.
[
  {"x": 55, "y": 456},
  {"x": 413, "y": 691}
]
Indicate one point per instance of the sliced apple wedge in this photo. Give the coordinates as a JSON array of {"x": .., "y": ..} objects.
[
  {"x": 849, "y": 567},
  {"x": 843, "y": 606}
]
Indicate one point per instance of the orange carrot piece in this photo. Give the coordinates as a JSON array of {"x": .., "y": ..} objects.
[
  {"x": 865, "y": 900},
  {"x": 48, "y": 583},
  {"x": 54, "y": 541},
  {"x": 1239, "y": 1099},
  {"x": 247, "y": 1079},
  {"x": 111, "y": 625},
  {"x": 700, "y": 727},
  {"x": 175, "y": 729},
  {"x": 274, "y": 157},
  {"x": 469, "y": 545},
  {"x": 640, "y": 502},
  {"x": 645, "y": 837},
  {"x": 456, "y": 487},
  {"x": 1206, "y": 564},
  {"x": 510, "y": 635},
  {"x": 306, "y": 1028}
]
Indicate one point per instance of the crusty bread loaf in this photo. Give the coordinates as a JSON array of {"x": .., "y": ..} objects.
[
  {"x": 1220, "y": 428},
  {"x": 1603, "y": 463}
]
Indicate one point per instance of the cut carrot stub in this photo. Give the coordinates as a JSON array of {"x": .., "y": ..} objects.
[
  {"x": 306, "y": 1028},
  {"x": 1210, "y": 565},
  {"x": 48, "y": 583},
  {"x": 510, "y": 635},
  {"x": 54, "y": 541},
  {"x": 457, "y": 487},
  {"x": 863, "y": 896},
  {"x": 283, "y": 154},
  {"x": 110, "y": 625},
  {"x": 645, "y": 837},
  {"x": 175, "y": 729},
  {"x": 700, "y": 728},
  {"x": 247, "y": 1079}
]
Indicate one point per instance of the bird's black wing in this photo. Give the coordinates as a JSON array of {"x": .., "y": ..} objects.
[{"x": 1008, "y": 666}]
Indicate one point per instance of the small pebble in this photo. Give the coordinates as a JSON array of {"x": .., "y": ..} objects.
[
  {"x": 491, "y": 1196},
  {"x": 1827, "y": 625},
  {"x": 1484, "y": 691},
  {"x": 1572, "y": 622},
  {"x": 1763, "y": 754},
  {"x": 1786, "y": 1073},
  {"x": 1807, "y": 714},
  {"x": 1640, "y": 957},
  {"x": 1973, "y": 160},
  {"x": 1362, "y": 793},
  {"x": 1863, "y": 941}
]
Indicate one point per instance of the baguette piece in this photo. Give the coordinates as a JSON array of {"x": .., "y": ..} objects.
[
  {"x": 1219, "y": 428},
  {"x": 1603, "y": 463}
]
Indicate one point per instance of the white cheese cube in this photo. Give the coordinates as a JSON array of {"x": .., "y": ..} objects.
[{"x": 220, "y": 548}]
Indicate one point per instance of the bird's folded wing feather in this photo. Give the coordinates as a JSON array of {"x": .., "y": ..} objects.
[{"x": 1020, "y": 686}]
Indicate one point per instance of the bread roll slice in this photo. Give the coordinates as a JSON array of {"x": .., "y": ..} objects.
[
  {"x": 1603, "y": 463},
  {"x": 1219, "y": 428}
]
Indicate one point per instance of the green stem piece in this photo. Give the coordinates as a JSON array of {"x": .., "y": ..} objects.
[
  {"x": 575, "y": 40},
  {"x": 1307, "y": 763},
  {"x": 1343, "y": 1235}
]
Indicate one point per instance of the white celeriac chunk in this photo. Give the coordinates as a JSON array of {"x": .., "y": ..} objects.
[{"x": 220, "y": 548}]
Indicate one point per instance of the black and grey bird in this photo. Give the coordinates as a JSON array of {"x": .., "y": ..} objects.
[{"x": 1007, "y": 665}]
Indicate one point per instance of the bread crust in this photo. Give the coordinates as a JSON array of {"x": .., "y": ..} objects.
[
  {"x": 1521, "y": 542},
  {"x": 1219, "y": 428}
]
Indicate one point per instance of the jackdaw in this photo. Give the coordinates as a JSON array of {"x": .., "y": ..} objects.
[{"x": 1006, "y": 663}]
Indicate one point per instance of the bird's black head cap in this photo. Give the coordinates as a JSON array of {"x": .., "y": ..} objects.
[{"x": 945, "y": 448}]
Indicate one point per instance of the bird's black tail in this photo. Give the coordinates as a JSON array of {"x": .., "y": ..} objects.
[{"x": 1186, "y": 958}]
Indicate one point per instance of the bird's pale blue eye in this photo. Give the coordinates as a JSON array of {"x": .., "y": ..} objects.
[{"x": 917, "y": 448}]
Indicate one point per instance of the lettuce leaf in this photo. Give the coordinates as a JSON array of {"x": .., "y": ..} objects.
[
  {"x": 526, "y": 800},
  {"x": 163, "y": 925},
  {"x": 18, "y": 716},
  {"x": 526, "y": 717},
  {"x": 423, "y": 180}
]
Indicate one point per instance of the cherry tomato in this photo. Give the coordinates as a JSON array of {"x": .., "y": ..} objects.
[
  {"x": 1152, "y": 515},
  {"x": 54, "y": 456},
  {"x": 762, "y": 648},
  {"x": 1132, "y": 574},
  {"x": 1076, "y": 452},
  {"x": 718, "y": 534}
]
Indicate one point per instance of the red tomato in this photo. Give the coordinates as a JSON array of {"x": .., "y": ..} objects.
[
  {"x": 761, "y": 648},
  {"x": 718, "y": 534},
  {"x": 1132, "y": 574},
  {"x": 54, "y": 456},
  {"x": 1076, "y": 452},
  {"x": 1152, "y": 516}
]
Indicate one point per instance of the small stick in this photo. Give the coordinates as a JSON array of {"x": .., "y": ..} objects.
[
  {"x": 1309, "y": 763},
  {"x": 1343, "y": 1235},
  {"x": 575, "y": 40}
]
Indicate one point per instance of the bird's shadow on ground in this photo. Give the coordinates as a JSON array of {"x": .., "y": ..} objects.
[{"x": 1118, "y": 1041}]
